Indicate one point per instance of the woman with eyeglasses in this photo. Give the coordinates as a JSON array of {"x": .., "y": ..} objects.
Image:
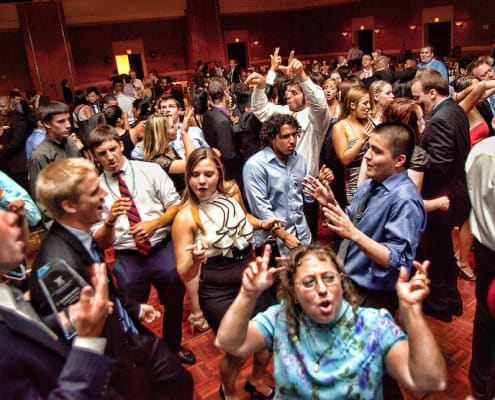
[{"x": 324, "y": 346}]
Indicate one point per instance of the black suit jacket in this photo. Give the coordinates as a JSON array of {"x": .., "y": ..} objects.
[
  {"x": 219, "y": 133},
  {"x": 390, "y": 76},
  {"x": 135, "y": 354},
  {"x": 34, "y": 365},
  {"x": 446, "y": 141}
]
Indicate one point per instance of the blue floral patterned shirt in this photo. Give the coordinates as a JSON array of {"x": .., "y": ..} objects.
[{"x": 344, "y": 359}]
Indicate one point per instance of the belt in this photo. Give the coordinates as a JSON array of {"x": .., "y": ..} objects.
[
  {"x": 236, "y": 256},
  {"x": 153, "y": 250}
]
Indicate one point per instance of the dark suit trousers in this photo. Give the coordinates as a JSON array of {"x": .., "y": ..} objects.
[
  {"x": 436, "y": 245},
  {"x": 136, "y": 273},
  {"x": 482, "y": 368}
]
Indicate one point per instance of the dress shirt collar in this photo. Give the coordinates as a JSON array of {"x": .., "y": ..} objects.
[
  {"x": 84, "y": 237},
  {"x": 437, "y": 105},
  {"x": 222, "y": 109},
  {"x": 7, "y": 297},
  {"x": 271, "y": 156},
  {"x": 392, "y": 180},
  {"x": 60, "y": 143},
  {"x": 124, "y": 170}
]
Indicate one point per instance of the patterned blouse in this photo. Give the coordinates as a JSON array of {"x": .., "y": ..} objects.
[
  {"x": 225, "y": 224},
  {"x": 344, "y": 359}
]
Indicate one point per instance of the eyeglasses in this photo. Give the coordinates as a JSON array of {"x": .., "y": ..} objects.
[{"x": 329, "y": 279}]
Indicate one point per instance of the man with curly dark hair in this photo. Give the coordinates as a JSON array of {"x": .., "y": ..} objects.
[{"x": 272, "y": 179}]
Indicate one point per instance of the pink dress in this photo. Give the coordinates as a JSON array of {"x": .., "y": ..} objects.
[{"x": 478, "y": 132}]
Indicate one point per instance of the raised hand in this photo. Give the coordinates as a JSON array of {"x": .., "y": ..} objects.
[
  {"x": 258, "y": 276},
  {"x": 275, "y": 59},
  {"x": 89, "y": 314},
  {"x": 326, "y": 174},
  {"x": 320, "y": 191},
  {"x": 256, "y": 79},
  {"x": 413, "y": 292},
  {"x": 338, "y": 221}
]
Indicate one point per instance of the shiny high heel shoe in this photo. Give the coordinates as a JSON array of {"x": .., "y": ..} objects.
[
  {"x": 198, "y": 322},
  {"x": 466, "y": 272},
  {"x": 254, "y": 394}
]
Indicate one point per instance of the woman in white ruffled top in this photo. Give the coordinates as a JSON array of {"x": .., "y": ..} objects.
[{"x": 212, "y": 236}]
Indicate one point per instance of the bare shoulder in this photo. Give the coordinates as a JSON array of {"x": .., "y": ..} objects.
[{"x": 184, "y": 217}]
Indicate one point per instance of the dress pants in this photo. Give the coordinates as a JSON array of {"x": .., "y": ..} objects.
[
  {"x": 148, "y": 370},
  {"x": 444, "y": 299},
  {"x": 482, "y": 367},
  {"x": 136, "y": 273}
]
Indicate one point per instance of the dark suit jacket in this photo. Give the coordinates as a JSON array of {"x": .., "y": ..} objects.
[
  {"x": 233, "y": 76},
  {"x": 446, "y": 141},
  {"x": 33, "y": 365},
  {"x": 219, "y": 133},
  {"x": 390, "y": 76},
  {"x": 59, "y": 242},
  {"x": 140, "y": 358}
]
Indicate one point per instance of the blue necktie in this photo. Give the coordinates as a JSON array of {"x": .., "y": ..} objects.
[
  {"x": 361, "y": 209},
  {"x": 124, "y": 317}
]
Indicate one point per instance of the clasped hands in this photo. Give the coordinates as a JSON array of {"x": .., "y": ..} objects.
[{"x": 142, "y": 231}]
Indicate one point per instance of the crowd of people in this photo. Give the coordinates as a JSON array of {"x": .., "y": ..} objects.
[{"x": 218, "y": 194}]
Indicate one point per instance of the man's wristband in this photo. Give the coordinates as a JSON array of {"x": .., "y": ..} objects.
[{"x": 109, "y": 224}]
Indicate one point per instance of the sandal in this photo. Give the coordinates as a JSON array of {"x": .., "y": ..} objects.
[
  {"x": 466, "y": 272},
  {"x": 198, "y": 322}
]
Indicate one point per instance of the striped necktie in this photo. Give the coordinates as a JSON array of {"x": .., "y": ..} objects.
[{"x": 132, "y": 214}]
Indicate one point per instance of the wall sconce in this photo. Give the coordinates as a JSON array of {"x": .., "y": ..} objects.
[
  {"x": 436, "y": 19},
  {"x": 236, "y": 40},
  {"x": 412, "y": 27},
  {"x": 377, "y": 30},
  {"x": 128, "y": 51},
  {"x": 345, "y": 33},
  {"x": 361, "y": 27},
  {"x": 153, "y": 54},
  {"x": 256, "y": 43},
  {"x": 459, "y": 23}
]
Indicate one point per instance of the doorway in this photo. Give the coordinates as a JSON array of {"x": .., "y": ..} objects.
[
  {"x": 237, "y": 51},
  {"x": 126, "y": 62},
  {"x": 365, "y": 40},
  {"x": 438, "y": 34}
]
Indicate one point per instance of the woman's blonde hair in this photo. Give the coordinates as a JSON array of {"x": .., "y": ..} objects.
[
  {"x": 354, "y": 95},
  {"x": 155, "y": 140}
]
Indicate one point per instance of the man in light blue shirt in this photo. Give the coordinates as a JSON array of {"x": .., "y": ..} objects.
[
  {"x": 35, "y": 138},
  {"x": 272, "y": 180},
  {"x": 427, "y": 58}
]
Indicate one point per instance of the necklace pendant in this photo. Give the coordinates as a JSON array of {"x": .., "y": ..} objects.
[{"x": 316, "y": 367}]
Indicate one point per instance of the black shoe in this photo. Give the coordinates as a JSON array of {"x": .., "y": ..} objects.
[
  {"x": 445, "y": 317},
  {"x": 249, "y": 387},
  {"x": 186, "y": 356},
  {"x": 456, "y": 309}
]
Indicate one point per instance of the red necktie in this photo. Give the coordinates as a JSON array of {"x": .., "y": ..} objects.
[{"x": 132, "y": 214}]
